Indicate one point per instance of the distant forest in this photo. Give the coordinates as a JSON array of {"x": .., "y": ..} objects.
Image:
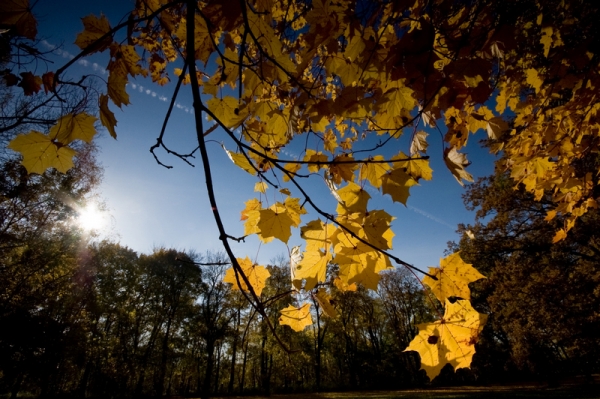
[{"x": 86, "y": 318}]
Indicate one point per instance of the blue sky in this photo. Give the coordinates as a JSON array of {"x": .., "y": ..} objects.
[{"x": 153, "y": 206}]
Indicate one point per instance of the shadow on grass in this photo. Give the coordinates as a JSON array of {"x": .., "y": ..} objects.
[{"x": 494, "y": 392}]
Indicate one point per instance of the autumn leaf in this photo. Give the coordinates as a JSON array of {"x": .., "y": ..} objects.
[
  {"x": 317, "y": 235},
  {"x": 30, "y": 83},
  {"x": 72, "y": 127},
  {"x": 294, "y": 210},
  {"x": 418, "y": 143},
  {"x": 325, "y": 301},
  {"x": 359, "y": 262},
  {"x": 396, "y": 183},
  {"x": 48, "y": 81},
  {"x": 456, "y": 163},
  {"x": 116, "y": 89},
  {"x": 354, "y": 199},
  {"x": 453, "y": 278},
  {"x": 261, "y": 187},
  {"x": 415, "y": 167},
  {"x": 343, "y": 285},
  {"x": 313, "y": 267},
  {"x": 373, "y": 171},
  {"x": 94, "y": 29},
  {"x": 296, "y": 318},
  {"x": 295, "y": 259},
  {"x": 292, "y": 168},
  {"x": 314, "y": 156},
  {"x": 17, "y": 15},
  {"x": 450, "y": 340},
  {"x": 376, "y": 229},
  {"x": 240, "y": 160},
  {"x": 495, "y": 127},
  {"x": 107, "y": 118},
  {"x": 40, "y": 153},
  {"x": 275, "y": 222},
  {"x": 227, "y": 110},
  {"x": 257, "y": 276}
]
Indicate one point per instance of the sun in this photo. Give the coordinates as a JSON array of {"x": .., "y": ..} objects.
[{"x": 91, "y": 218}]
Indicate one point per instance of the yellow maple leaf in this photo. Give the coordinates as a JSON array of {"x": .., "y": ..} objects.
[
  {"x": 495, "y": 127},
  {"x": 292, "y": 168},
  {"x": 257, "y": 276},
  {"x": 354, "y": 199},
  {"x": 314, "y": 156},
  {"x": 330, "y": 141},
  {"x": 396, "y": 183},
  {"x": 449, "y": 340},
  {"x": 343, "y": 170},
  {"x": 343, "y": 285},
  {"x": 376, "y": 229},
  {"x": 374, "y": 172},
  {"x": 313, "y": 268},
  {"x": 107, "y": 118},
  {"x": 317, "y": 235},
  {"x": 453, "y": 278},
  {"x": 73, "y": 127},
  {"x": 116, "y": 89},
  {"x": 125, "y": 61},
  {"x": 240, "y": 160},
  {"x": 275, "y": 222},
  {"x": 546, "y": 39},
  {"x": 296, "y": 318},
  {"x": 358, "y": 262},
  {"x": 94, "y": 29},
  {"x": 324, "y": 300},
  {"x": 534, "y": 79},
  {"x": 227, "y": 110},
  {"x": 251, "y": 215},
  {"x": 40, "y": 153},
  {"x": 294, "y": 210},
  {"x": 416, "y": 168},
  {"x": 261, "y": 187}
]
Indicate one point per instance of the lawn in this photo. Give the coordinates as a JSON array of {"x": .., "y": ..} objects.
[{"x": 492, "y": 392}]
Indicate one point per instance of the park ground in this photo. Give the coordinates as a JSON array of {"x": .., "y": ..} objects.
[{"x": 571, "y": 390}]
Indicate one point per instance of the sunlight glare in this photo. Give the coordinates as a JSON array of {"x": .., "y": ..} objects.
[{"x": 91, "y": 218}]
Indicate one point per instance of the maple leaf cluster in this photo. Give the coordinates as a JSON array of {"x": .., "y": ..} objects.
[{"x": 451, "y": 339}]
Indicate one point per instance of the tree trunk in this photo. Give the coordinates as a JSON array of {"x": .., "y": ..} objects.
[
  {"x": 234, "y": 353},
  {"x": 210, "y": 349},
  {"x": 243, "y": 379}
]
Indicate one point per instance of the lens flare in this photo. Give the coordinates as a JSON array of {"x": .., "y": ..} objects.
[{"x": 91, "y": 218}]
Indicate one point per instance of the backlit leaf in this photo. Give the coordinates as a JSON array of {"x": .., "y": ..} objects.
[
  {"x": 257, "y": 276},
  {"x": 40, "y": 153},
  {"x": 456, "y": 163},
  {"x": 74, "y": 127},
  {"x": 450, "y": 340},
  {"x": 297, "y": 318},
  {"x": 94, "y": 29},
  {"x": 453, "y": 278}
]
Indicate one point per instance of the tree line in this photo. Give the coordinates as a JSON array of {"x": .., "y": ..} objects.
[{"x": 88, "y": 318}]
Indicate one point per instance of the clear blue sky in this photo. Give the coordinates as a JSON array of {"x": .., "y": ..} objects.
[{"x": 153, "y": 206}]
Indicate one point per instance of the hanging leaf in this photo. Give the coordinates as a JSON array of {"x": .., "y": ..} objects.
[
  {"x": 40, "y": 153},
  {"x": 257, "y": 276},
  {"x": 450, "y": 340},
  {"x": 296, "y": 318},
  {"x": 453, "y": 278}
]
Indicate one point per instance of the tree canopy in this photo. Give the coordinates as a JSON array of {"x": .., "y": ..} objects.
[{"x": 348, "y": 79}]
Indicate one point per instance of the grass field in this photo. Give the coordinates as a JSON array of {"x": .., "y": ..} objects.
[{"x": 495, "y": 392}]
